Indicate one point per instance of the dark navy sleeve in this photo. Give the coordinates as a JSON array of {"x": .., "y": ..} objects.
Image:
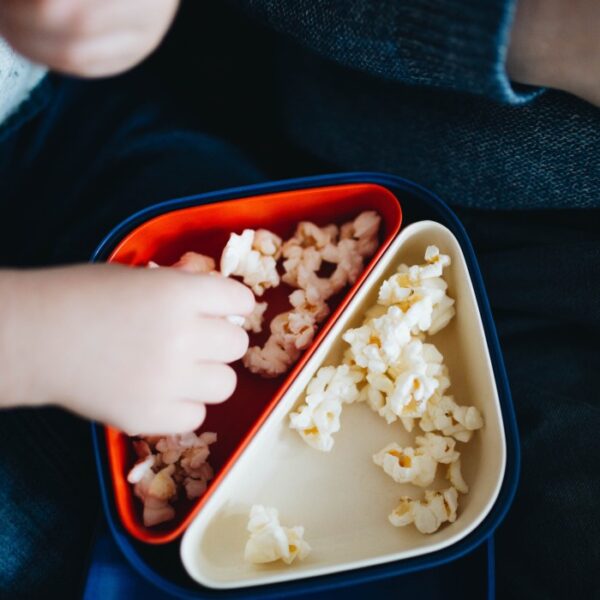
[{"x": 456, "y": 45}]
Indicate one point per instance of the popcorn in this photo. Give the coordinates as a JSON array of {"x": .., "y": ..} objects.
[
  {"x": 364, "y": 230},
  {"x": 311, "y": 246},
  {"x": 454, "y": 475},
  {"x": 407, "y": 385},
  {"x": 421, "y": 286},
  {"x": 192, "y": 262},
  {"x": 427, "y": 514},
  {"x": 440, "y": 448},
  {"x": 348, "y": 259},
  {"x": 254, "y": 261},
  {"x": 291, "y": 332},
  {"x": 338, "y": 383},
  {"x": 309, "y": 235},
  {"x": 300, "y": 264},
  {"x": 253, "y": 322},
  {"x": 269, "y": 541},
  {"x": 273, "y": 359},
  {"x": 319, "y": 417},
  {"x": 377, "y": 345},
  {"x": 316, "y": 422},
  {"x": 407, "y": 465},
  {"x": 267, "y": 243},
  {"x": 443, "y": 414},
  {"x": 167, "y": 464}
]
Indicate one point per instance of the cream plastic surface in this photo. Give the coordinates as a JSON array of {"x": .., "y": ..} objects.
[{"x": 342, "y": 498}]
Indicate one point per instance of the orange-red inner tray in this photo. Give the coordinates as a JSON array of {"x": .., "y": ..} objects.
[{"x": 206, "y": 229}]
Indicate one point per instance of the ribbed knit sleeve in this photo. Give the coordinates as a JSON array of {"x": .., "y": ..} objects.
[{"x": 458, "y": 45}]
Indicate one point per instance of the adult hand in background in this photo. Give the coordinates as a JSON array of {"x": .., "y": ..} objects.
[
  {"x": 88, "y": 38},
  {"x": 556, "y": 44}
]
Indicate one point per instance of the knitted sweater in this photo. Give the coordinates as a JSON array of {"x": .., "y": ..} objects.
[
  {"x": 18, "y": 77},
  {"x": 419, "y": 88}
]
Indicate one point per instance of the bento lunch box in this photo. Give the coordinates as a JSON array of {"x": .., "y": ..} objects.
[{"x": 340, "y": 497}]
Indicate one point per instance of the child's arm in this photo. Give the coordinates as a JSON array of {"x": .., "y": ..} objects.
[
  {"x": 89, "y": 38},
  {"x": 139, "y": 349}
]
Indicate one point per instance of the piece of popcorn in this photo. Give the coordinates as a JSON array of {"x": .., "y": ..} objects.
[
  {"x": 300, "y": 264},
  {"x": 269, "y": 541},
  {"x": 291, "y": 332},
  {"x": 406, "y": 465},
  {"x": 421, "y": 286},
  {"x": 258, "y": 270},
  {"x": 377, "y": 345},
  {"x": 272, "y": 359},
  {"x": 141, "y": 469},
  {"x": 253, "y": 322},
  {"x": 303, "y": 302},
  {"x": 236, "y": 320},
  {"x": 454, "y": 475},
  {"x": 337, "y": 383},
  {"x": 193, "y": 262},
  {"x": 319, "y": 417},
  {"x": 427, "y": 514},
  {"x": 267, "y": 243},
  {"x": 348, "y": 261},
  {"x": 317, "y": 422},
  {"x": 443, "y": 414},
  {"x": 403, "y": 391},
  {"x": 440, "y": 448},
  {"x": 157, "y": 511},
  {"x": 168, "y": 463},
  {"x": 194, "y": 488},
  {"x": 311, "y": 245},
  {"x": 364, "y": 230},
  {"x": 309, "y": 235}
]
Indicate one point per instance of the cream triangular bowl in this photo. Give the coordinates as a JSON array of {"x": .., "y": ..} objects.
[{"x": 341, "y": 498}]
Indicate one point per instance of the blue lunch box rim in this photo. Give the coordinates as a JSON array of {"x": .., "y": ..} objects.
[{"x": 482, "y": 534}]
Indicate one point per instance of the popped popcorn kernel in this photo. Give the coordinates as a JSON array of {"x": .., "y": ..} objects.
[
  {"x": 253, "y": 322},
  {"x": 269, "y": 541},
  {"x": 406, "y": 465},
  {"x": 167, "y": 465},
  {"x": 428, "y": 514},
  {"x": 443, "y": 414},
  {"x": 193, "y": 262},
  {"x": 421, "y": 286},
  {"x": 454, "y": 475},
  {"x": 241, "y": 257},
  {"x": 440, "y": 448},
  {"x": 319, "y": 416}
]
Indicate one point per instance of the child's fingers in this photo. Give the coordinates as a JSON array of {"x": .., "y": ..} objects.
[
  {"x": 217, "y": 340},
  {"x": 210, "y": 383},
  {"x": 219, "y": 296}
]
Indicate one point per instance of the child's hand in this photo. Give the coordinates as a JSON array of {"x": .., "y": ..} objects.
[
  {"x": 90, "y": 38},
  {"x": 140, "y": 349}
]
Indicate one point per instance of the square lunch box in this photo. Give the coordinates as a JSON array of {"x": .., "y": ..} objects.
[{"x": 340, "y": 497}]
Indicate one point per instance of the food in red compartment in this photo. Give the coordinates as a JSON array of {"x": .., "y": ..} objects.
[{"x": 167, "y": 467}]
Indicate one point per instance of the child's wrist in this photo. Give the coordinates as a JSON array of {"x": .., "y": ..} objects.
[{"x": 18, "y": 371}]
